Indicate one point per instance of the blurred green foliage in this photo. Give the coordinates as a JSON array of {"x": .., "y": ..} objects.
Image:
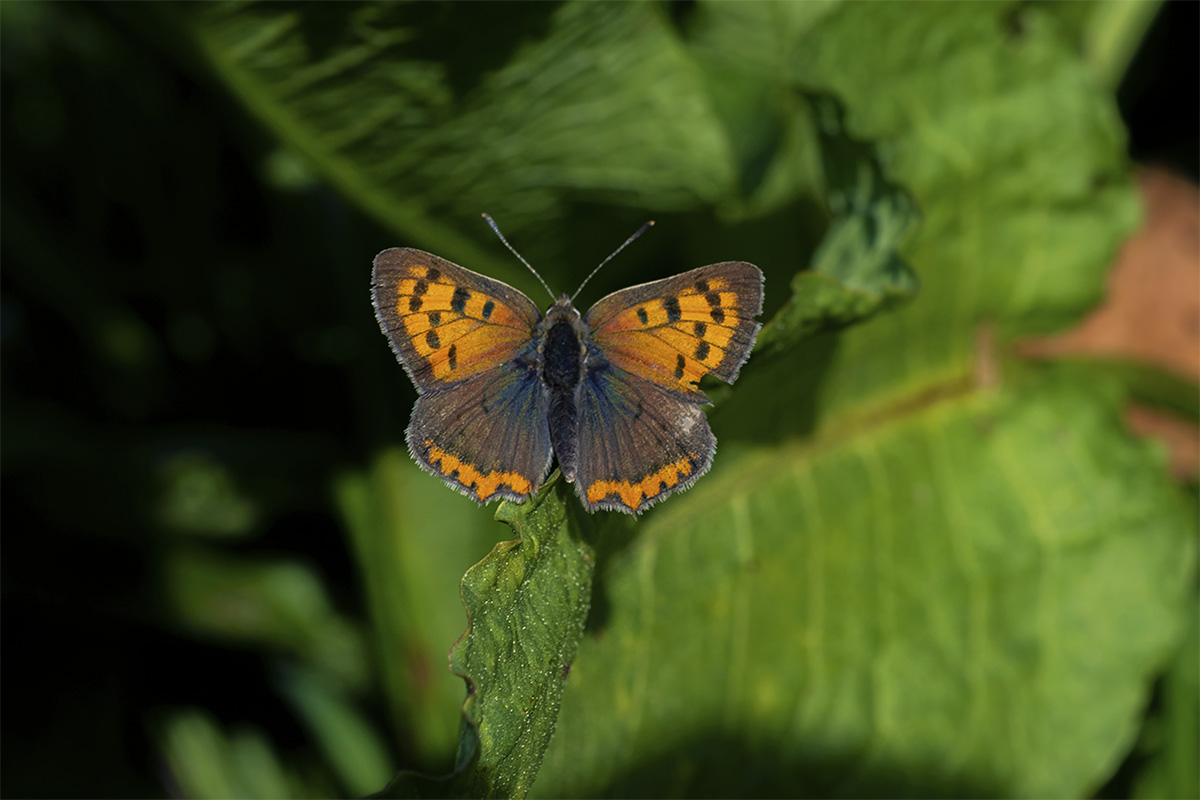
[{"x": 919, "y": 566}]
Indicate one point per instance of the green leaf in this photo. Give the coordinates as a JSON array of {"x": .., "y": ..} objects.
[
  {"x": 527, "y": 602},
  {"x": 1169, "y": 746},
  {"x": 410, "y": 535},
  {"x": 413, "y": 539},
  {"x": 1107, "y": 34},
  {"x": 206, "y": 762},
  {"x": 347, "y": 739},
  {"x": 1018, "y": 174},
  {"x": 967, "y": 602},
  {"x": 955, "y": 578},
  {"x": 200, "y": 497},
  {"x": 856, "y": 270},
  {"x": 279, "y": 605},
  {"x": 429, "y": 114}
]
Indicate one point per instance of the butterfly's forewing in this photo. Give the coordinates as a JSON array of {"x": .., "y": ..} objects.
[
  {"x": 675, "y": 331},
  {"x": 447, "y": 323},
  {"x": 638, "y": 442},
  {"x": 642, "y": 433},
  {"x": 467, "y": 342}
]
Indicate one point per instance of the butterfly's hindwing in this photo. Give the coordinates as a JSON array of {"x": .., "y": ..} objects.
[
  {"x": 466, "y": 341},
  {"x": 675, "y": 331},
  {"x": 486, "y": 436},
  {"x": 447, "y": 323},
  {"x": 638, "y": 442}
]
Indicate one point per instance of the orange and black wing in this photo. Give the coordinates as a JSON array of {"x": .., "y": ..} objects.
[
  {"x": 467, "y": 342},
  {"x": 642, "y": 432},
  {"x": 447, "y": 323},
  {"x": 675, "y": 331}
]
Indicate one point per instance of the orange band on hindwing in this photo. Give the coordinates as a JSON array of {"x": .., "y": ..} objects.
[
  {"x": 483, "y": 486},
  {"x": 633, "y": 493}
]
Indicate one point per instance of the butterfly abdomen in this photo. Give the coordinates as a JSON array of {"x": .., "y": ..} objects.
[{"x": 562, "y": 369}]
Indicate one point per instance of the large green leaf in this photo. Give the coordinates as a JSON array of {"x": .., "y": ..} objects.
[
  {"x": 964, "y": 602},
  {"x": 428, "y": 114},
  {"x": 943, "y": 587}
]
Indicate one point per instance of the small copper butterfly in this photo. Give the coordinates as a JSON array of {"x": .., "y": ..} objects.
[{"x": 611, "y": 394}]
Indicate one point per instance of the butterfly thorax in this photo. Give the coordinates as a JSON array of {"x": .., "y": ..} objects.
[{"x": 562, "y": 350}]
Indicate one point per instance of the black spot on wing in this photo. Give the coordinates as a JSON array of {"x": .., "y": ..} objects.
[
  {"x": 452, "y": 356},
  {"x": 701, "y": 286},
  {"x": 680, "y": 363},
  {"x": 421, "y": 288},
  {"x": 702, "y": 351},
  {"x": 701, "y": 329},
  {"x": 718, "y": 316},
  {"x": 458, "y": 303},
  {"x": 414, "y": 303},
  {"x": 431, "y": 339},
  {"x": 643, "y": 317},
  {"x": 671, "y": 306},
  {"x": 488, "y": 308},
  {"x": 433, "y": 275},
  {"x": 435, "y": 318}
]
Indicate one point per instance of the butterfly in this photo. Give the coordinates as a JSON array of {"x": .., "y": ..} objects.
[{"x": 612, "y": 394}]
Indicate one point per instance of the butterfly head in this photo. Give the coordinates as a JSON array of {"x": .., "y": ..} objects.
[
  {"x": 563, "y": 313},
  {"x": 563, "y": 305}
]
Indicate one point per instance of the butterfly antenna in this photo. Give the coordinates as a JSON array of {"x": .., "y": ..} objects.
[
  {"x": 628, "y": 241},
  {"x": 492, "y": 222}
]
